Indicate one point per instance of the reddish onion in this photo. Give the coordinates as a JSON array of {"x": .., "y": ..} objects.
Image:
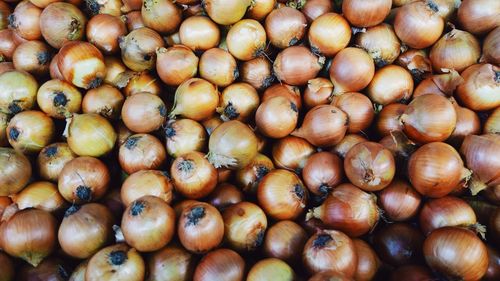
[
  {"x": 281, "y": 89},
  {"x": 439, "y": 84},
  {"x": 257, "y": 72},
  {"x": 400, "y": 201},
  {"x": 388, "y": 119},
  {"x": 224, "y": 196},
  {"x": 284, "y": 240},
  {"x": 359, "y": 110},
  {"x": 399, "y": 244},
  {"x": 480, "y": 16},
  {"x": 412, "y": 273}
]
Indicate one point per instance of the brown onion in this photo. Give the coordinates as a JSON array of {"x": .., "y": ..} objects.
[
  {"x": 18, "y": 91},
  {"x": 144, "y": 112},
  {"x": 479, "y": 91},
  {"x": 478, "y": 17},
  {"x": 105, "y": 100},
  {"x": 291, "y": 153},
  {"x": 399, "y": 200},
  {"x": 467, "y": 124},
  {"x": 381, "y": 43},
  {"x": 491, "y": 46},
  {"x": 59, "y": 99},
  {"x": 456, "y": 50},
  {"x": 348, "y": 209},
  {"x": 246, "y": 39},
  {"x": 259, "y": 9},
  {"x": 141, "y": 152},
  {"x": 399, "y": 244},
  {"x": 365, "y": 14},
  {"x": 41, "y": 195},
  {"x": 33, "y": 57},
  {"x": 359, "y": 110},
  {"x": 61, "y": 22},
  {"x": 346, "y": 144},
  {"x": 220, "y": 264},
  {"x": 30, "y": 131},
  {"x": 436, "y": 169},
  {"x": 171, "y": 263},
  {"x": 492, "y": 124},
  {"x": 25, "y": 21},
  {"x": 249, "y": 177},
  {"x": 296, "y": 65},
  {"x": 388, "y": 119},
  {"x": 417, "y": 62},
  {"x": 218, "y": 67},
  {"x": 176, "y": 64},
  {"x": 8, "y": 44},
  {"x": 193, "y": 176},
  {"x": 139, "y": 82},
  {"x": 313, "y": 9},
  {"x": 281, "y": 89},
  {"x": 318, "y": 91},
  {"x": 368, "y": 261},
  {"x": 226, "y": 12},
  {"x": 195, "y": 99},
  {"x": 284, "y": 240},
  {"x": 139, "y": 48},
  {"x": 238, "y": 101},
  {"x": 493, "y": 271},
  {"x": 323, "y": 172},
  {"x": 161, "y": 15},
  {"x": 244, "y": 226},
  {"x": 183, "y": 136},
  {"x": 199, "y": 33},
  {"x": 257, "y": 72},
  {"x": 326, "y": 27},
  {"x": 276, "y": 117},
  {"x": 15, "y": 173},
  {"x": 352, "y": 70},
  {"x": 285, "y": 27},
  {"x": 146, "y": 182},
  {"x": 103, "y": 31},
  {"x": 116, "y": 262},
  {"x": 224, "y": 196},
  {"x": 390, "y": 84}
]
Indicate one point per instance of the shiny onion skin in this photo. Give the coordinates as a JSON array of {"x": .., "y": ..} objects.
[
  {"x": 225, "y": 195},
  {"x": 238, "y": 101},
  {"x": 83, "y": 179},
  {"x": 138, "y": 48},
  {"x": 200, "y": 228},
  {"x": 360, "y": 73},
  {"x": 162, "y": 16},
  {"x": 277, "y": 117},
  {"x": 171, "y": 263},
  {"x": 323, "y": 172},
  {"x": 30, "y": 235},
  {"x": 245, "y": 224},
  {"x": 359, "y": 110},
  {"x": 479, "y": 92},
  {"x": 24, "y": 21},
  {"x": 491, "y": 46},
  {"x": 257, "y": 72},
  {"x": 183, "y": 136},
  {"x": 368, "y": 261},
  {"x": 259, "y": 9},
  {"x": 388, "y": 119},
  {"x": 85, "y": 229},
  {"x": 218, "y": 66},
  {"x": 246, "y": 40},
  {"x": 429, "y": 118},
  {"x": 296, "y": 65},
  {"x": 291, "y": 153},
  {"x": 418, "y": 24},
  {"x": 103, "y": 31},
  {"x": 365, "y": 14},
  {"x": 284, "y": 240},
  {"x": 381, "y": 43},
  {"x": 444, "y": 245},
  {"x": 18, "y": 91},
  {"x": 370, "y": 166},
  {"x": 33, "y": 57},
  {"x": 226, "y": 12},
  {"x": 144, "y": 112},
  {"x": 282, "y": 195},
  {"x": 90, "y": 134},
  {"x": 116, "y": 262},
  {"x": 318, "y": 91},
  {"x": 348, "y": 209},
  {"x": 61, "y": 22},
  {"x": 493, "y": 271},
  {"x": 146, "y": 182},
  {"x": 468, "y": 123},
  {"x": 478, "y": 17},
  {"x": 399, "y": 201},
  {"x": 141, "y": 82},
  {"x": 456, "y": 50},
  {"x": 199, "y": 33},
  {"x": 326, "y": 27},
  {"x": 281, "y": 89},
  {"x": 271, "y": 268},
  {"x": 148, "y": 224},
  {"x": 30, "y": 131},
  {"x": 196, "y": 99},
  {"x": 248, "y": 178},
  {"x": 176, "y": 64},
  {"x": 141, "y": 152},
  {"x": 285, "y": 27},
  {"x": 439, "y": 84},
  {"x": 81, "y": 64},
  {"x": 193, "y": 176},
  {"x": 15, "y": 173},
  {"x": 399, "y": 244},
  {"x": 59, "y": 99},
  {"x": 390, "y": 84},
  {"x": 220, "y": 264},
  {"x": 330, "y": 250},
  {"x": 346, "y": 144},
  {"x": 41, "y": 195},
  {"x": 323, "y": 125},
  {"x": 105, "y": 100},
  {"x": 436, "y": 169}
]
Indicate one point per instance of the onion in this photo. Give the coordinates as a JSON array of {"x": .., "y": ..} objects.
[
  {"x": 246, "y": 39},
  {"x": 399, "y": 244},
  {"x": 467, "y": 124},
  {"x": 83, "y": 179},
  {"x": 388, "y": 119},
  {"x": 365, "y": 14},
  {"x": 418, "y": 24},
  {"x": 116, "y": 262},
  {"x": 171, "y": 263},
  {"x": 359, "y": 110},
  {"x": 346, "y": 144},
  {"x": 492, "y": 125},
  {"x": 220, "y": 264},
  {"x": 132, "y": 5},
  {"x": 226, "y": 12},
  {"x": 163, "y": 16},
  {"x": 444, "y": 245},
  {"x": 79, "y": 272},
  {"x": 330, "y": 250},
  {"x": 144, "y": 112},
  {"x": 199, "y": 33},
  {"x": 326, "y": 27},
  {"x": 224, "y": 196},
  {"x": 232, "y": 145},
  {"x": 134, "y": 19},
  {"x": 90, "y": 135},
  {"x": 8, "y": 44},
  {"x": 146, "y": 182},
  {"x": 148, "y": 224},
  {"x": 33, "y": 57},
  {"x": 200, "y": 227},
  {"x": 417, "y": 62},
  {"x": 400, "y": 201},
  {"x": 478, "y": 92},
  {"x": 456, "y": 50},
  {"x": 479, "y": 17},
  {"x": 381, "y": 43},
  {"x": 315, "y": 129},
  {"x": 193, "y": 176},
  {"x": 176, "y": 64},
  {"x": 291, "y": 153},
  {"x": 259, "y": 9},
  {"x": 271, "y": 269},
  {"x": 318, "y": 91},
  {"x": 244, "y": 226},
  {"x": 183, "y": 136},
  {"x": 491, "y": 46},
  {"x": 285, "y": 27},
  {"x": 30, "y": 131},
  {"x": 18, "y": 91},
  {"x": 195, "y": 99},
  {"x": 352, "y": 70},
  {"x": 218, "y": 67},
  {"x": 284, "y": 240},
  {"x": 276, "y": 117},
  {"x": 141, "y": 82},
  {"x": 141, "y": 152},
  {"x": 24, "y": 21},
  {"x": 257, "y": 72},
  {"x": 296, "y": 65},
  {"x": 139, "y": 48},
  {"x": 115, "y": 71},
  {"x": 249, "y": 177},
  {"x": 439, "y": 84},
  {"x": 59, "y": 99},
  {"x": 368, "y": 261},
  {"x": 29, "y": 235},
  {"x": 15, "y": 172},
  {"x": 493, "y": 271},
  {"x": 323, "y": 171},
  {"x": 5, "y": 11},
  {"x": 103, "y": 31},
  {"x": 48, "y": 269},
  {"x": 61, "y": 22},
  {"x": 238, "y": 101},
  {"x": 105, "y": 100},
  {"x": 429, "y": 118},
  {"x": 281, "y": 89},
  {"x": 4, "y": 122},
  {"x": 84, "y": 230},
  {"x": 6, "y": 66},
  {"x": 95, "y": 7},
  {"x": 313, "y": 9},
  {"x": 348, "y": 209},
  {"x": 40, "y": 195},
  {"x": 436, "y": 169},
  {"x": 390, "y": 84}
]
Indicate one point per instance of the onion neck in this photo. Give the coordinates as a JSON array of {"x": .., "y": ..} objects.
[
  {"x": 51, "y": 151},
  {"x": 131, "y": 142},
  {"x": 229, "y": 113},
  {"x": 185, "y": 167},
  {"x": 220, "y": 161},
  {"x": 260, "y": 172},
  {"x": 476, "y": 186},
  {"x": 96, "y": 82},
  {"x": 117, "y": 257},
  {"x": 59, "y": 99},
  {"x": 195, "y": 215},
  {"x": 14, "y": 133},
  {"x": 321, "y": 241},
  {"x": 479, "y": 229},
  {"x": 170, "y": 132},
  {"x": 71, "y": 210},
  {"x": 162, "y": 110},
  {"x": 14, "y": 108},
  {"x": 43, "y": 57},
  {"x": 84, "y": 193},
  {"x": 137, "y": 208},
  {"x": 315, "y": 213}
]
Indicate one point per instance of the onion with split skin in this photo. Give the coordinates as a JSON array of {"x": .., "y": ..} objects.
[
  {"x": 417, "y": 62},
  {"x": 440, "y": 84},
  {"x": 318, "y": 91}
]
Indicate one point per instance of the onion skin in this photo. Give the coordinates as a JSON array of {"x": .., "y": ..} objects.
[
  {"x": 176, "y": 64},
  {"x": 19, "y": 91},
  {"x": 220, "y": 264},
  {"x": 285, "y": 90},
  {"x": 193, "y": 176},
  {"x": 33, "y": 57},
  {"x": 162, "y": 16},
  {"x": 442, "y": 247},
  {"x": 40, "y": 195},
  {"x": 144, "y": 112},
  {"x": 199, "y": 33},
  {"x": 436, "y": 169},
  {"x": 368, "y": 261},
  {"x": 283, "y": 240},
  {"x": 285, "y": 27},
  {"x": 226, "y": 12},
  {"x": 388, "y": 119},
  {"x": 259, "y": 9},
  {"x": 171, "y": 263},
  {"x": 348, "y": 209},
  {"x": 238, "y": 101},
  {"x": 493, "y": 271},
  {"x": 399, "y": 244},
  {"x": 116, "y": 262},
  {"x": 257, "y": 72},
  {"x": 478, "y": 17},
  {"x": 141, "y": 82},
  {"x": 313, "y": 9},
  {"x": 296, "y": 65},
  {"x": 325, "y": 27},
  {"x": 491, "y": 46},
  {"x": 59, "y": 99},
  {"x": 361, "y": 70},
  {"x": 492, "y": 125},
  {"x": 105, "y": 100},
  {"x": 146, "y": 182},
  {"x": 276, "y": 117},
  {"x": 30, "y": 131},
  {"x": 271, "y": 268},
  {"x": 195, "y": 99},
  {"x": 318, "y": 91},
  {"x": 29, "y": 235},
  {"x": 24, "y": 21},
  {"x": 358, "y": 108},
  {"x": 468, "y": 123},
  {"x": 322, "y": 172},
  {"x": 291, "y": 153},
  {"x": 381, "y": 43},
  {"x": 183, "y": 136},
  {"x": 479, "y": 91},
  {"x": 244, "y": 226},
  {"x": 365, "y": 14},
  {"x": 141, "y": 152},
  {"x": 246, "y": 40},
  {"x": 90, "y": 134},
  {"x": 15, "y": 173},
  {"x": 8, "y": 44},
  {"x": 400, "y": 201},
  {"x": 390, "y": 84},
  {"x": 346, "y": 144},
  {"x": 248, "y": 178},
  {"x": 456, "y": 50}
]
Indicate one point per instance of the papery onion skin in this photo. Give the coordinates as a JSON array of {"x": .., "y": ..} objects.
[
  {"x": 277, "y": 117},
  {"x": 246, "y": 40},
  {"x": 492, "y": 125},
  {"x": 390, "y": 84},
  {"x": 468, "y": 123},
  {"x": 285, "y": 27},
  {"x": 220, "y": 264},
  {"x": 183, "y": 136},
  {"x": 456, "y": 50},
  {"x": 78, "y": 273},
  {"x": 388, "y": 119},
  {"x": 138, "y": 48},
  {"x": 346, "y": 144},
  {"x": 352, "y": 70},
  {"x": 274, "y": 269},
  {"x": 62, "y": 22},
  {"x": 90, "y": 135},
  {"x": 30, "y": 131},
  {"x": 381, "y": 43},
  {"x": 325, "y": 27},
  {"x": 195, "y": 99},
  {"x": 193, "y": 176},
  {"x": 399, "y": 244},
  {"x": 18, "y": 91},
  {"x": 400, "y": 201},
  {"x": 491, "y": 47},
  {"x": 318, "y": 91},
  {"x": 257, "y": 72},
  {"x": 103, "y": 30},
  {"x": 171, "y": 263},
  {"x": 368, "y": 261},
  {"x": 59, "y": 99},
  {"x": 444, "y": 245},
  {"x": 291, "y": 153},
  {"x": 436, "y": 169},
  {"x": 199, "y": 33},
  {"x": 479, "y": 17},
  {"x": 283, "y": 240},
  {"x": 322, "y": 172},
  {"x": 296, "y": 65},
  {"x": 144, "y": 112},
  {"x": 365, "y": 14},
  {"x": 285, "y": 90},
  {"x": 116, "y": 262},
  {"x": 41, "y": 195},
  {"x": 146, "y": 182},
  {"x": 176, "y": 64},
  {"x": 163, "y": 16},
  {"x": 224, "y": 196},
  {"x": 480, "y": 90},
  {"x": 141, "y": 82},
  {"x": 358, "y": 108},
  {"x": 141, "y": 152},
  {"x": 244, "y": 226},
  {"x": 15, "y": 173}
]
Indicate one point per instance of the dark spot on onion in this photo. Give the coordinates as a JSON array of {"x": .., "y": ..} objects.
[
  {"x": 261, "y": 171},
  {"x": 117, "y": 257},
  {"x": 14, "y": 108},
  {"x": 185, "y": 166},
  {"x": 95, "y": 83},
  {"x": 162, "y": 110},
  {"x": 259, "y": 239},
  {"x": 170, "y": 132},
  {"x": 433, "y": 6},
  {"x": 92, "y": 7},
  {"x": 230, "y": 111},
  {"x": 293, "y": 41},
  {"x": 299, "y": 191},
  {"x": 14, "y": 134},
  {"x": 137, "y": 208},
  {"x": 196, "y": 214},
  {"x": 321, "y": 240},
  {"x": 293, "y": 106},
  {"x": 43, "y": 58},
  {"x": 84, "y": 193},
  {"x": 50, "y": 151},
  {"x": 71, "y": 210},
  {"x": 147, "y": 57},
  {"x": 131, "y": 142},
  {"x": 59, "y": 99}
]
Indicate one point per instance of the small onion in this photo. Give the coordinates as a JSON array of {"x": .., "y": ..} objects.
[
  {"x": 479, "y": 17},
  {"x": 176, "y": 64},
  {"x": 352, "y": 70},
  {"x": 368, "y": 261},
  {"x": 318, "y": 91},
  {"x": 348, "y": 209},
  {"x": 226, "y": 12},
  {"x": 105, "y": 100},
  {"x": 291, "y": 153},
  {"x": 90, "y": 135},
  {"x": 195, "y": 99},
  {"x": 18, "y": 91},
  {"x": 220, "y": 264},
  {"x": 59, "y": 99},
  {"x": 41, "y": 195},
  {"x": 61, "y": 22},
  {"x": 238, "y": 101},
  {"x": 144, "y": 112},
  {"x": 400, "y": 201},
  {"x": 146, "y": 182},
  {"x": 244, "y": 226},
  {"x": 491, "y": 46},
  {"x": 365, "y": 14},
  {"x": 359, "y": 110},
  {"x": 30, "y": 131},
  {"x": 390, "y": 84},
  {"x": 199, "y": 33},
  {"x": 399, "y": 244},
  {"x": 348, "y": 142},
  {"x": 139, "y": 48},
  {"x": 193, "y": 176},
  {"x": 271, "y": 269},
  {"x": 381, "y": 43},
  {"x": 161, "y": 15},
  {"x": 284, "y": 240},
  {"x": 183, "y": 136},
  {"x": 83, "y": 179},
  {"x": 282, "y": 195},
  {"x": 171, "y": 263},
  {"x": 103, "y": 31},
  {"x": 25, "y": 19},
  {"x": 285, "y": 27},
  {"x": 116, "y": 262},
  {"x": 15, "y": 173},
  {"x": 276, "y": 117},
  {"x": 323, "y": 172},
  {"x": 326, "y": 27},
  {"x": 218, "y": 67},
  {"x": 480, "y": 89},
  {"x": 257, "y": 72},
  {"x": 224, "y": 196},
  {"x": 246, "y": 39},
  {"x": 141, "y": 152}
]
